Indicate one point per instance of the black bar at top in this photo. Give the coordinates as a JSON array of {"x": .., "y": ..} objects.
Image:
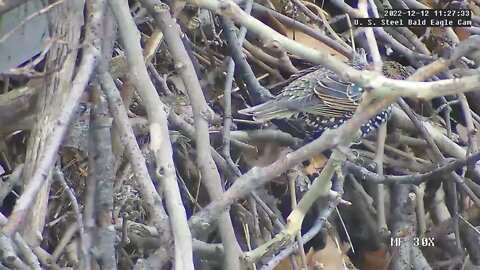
[{"x": 417, "y": 21}]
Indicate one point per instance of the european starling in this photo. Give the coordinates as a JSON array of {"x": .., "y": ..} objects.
[{"x": 317, "y": 99}]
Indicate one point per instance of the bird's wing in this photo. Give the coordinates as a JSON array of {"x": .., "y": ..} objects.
[
  {"x": 339, "y": 98},
  {"x": 325, "y": 94},
  {"x": 319, "y": 92},
  {"x": 276, "y": 89},
  {"x": 283, "y": 106}
]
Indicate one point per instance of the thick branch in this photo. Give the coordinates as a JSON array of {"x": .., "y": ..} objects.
[
  {"x": 201, "y": 113},
  {"x": 258, "y": 177},
  {"x": 86, "y": 67},
  {"x": 382, "y": 86},
  {"x": 160, "y": 140}
]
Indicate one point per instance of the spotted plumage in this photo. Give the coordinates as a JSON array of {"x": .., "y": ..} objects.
[{"x": 317, "y": 99}]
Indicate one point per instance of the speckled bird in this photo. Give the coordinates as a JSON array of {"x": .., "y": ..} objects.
[{"x": 317, "y": 99}]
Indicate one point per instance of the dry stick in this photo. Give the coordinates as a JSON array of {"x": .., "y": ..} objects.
[
  {"x": 320, "y": 21},
  {"x": 414, "y": 57},
  {"x": 372, "y": 43},
  {"x": 398, "y": 152},
  {"x": 274, "y": 73},
  {"x": 353, "y": 12},
  {"x": 382, "y": 133},
  {"x": 44, "y": 257},
  {"x": 257, "y": 177},
  {"x": 201, "y": 112},
  {"x": 319, "y": 224},
  {"x": 418, "y": 259},
  {"x": 358, "y": 188},
  {"x": 442, "y": 140},
  {"x": 416, "y": 4},
  {"x": 472, "y": 139},
  {"x": 320, "y": 188},
  {"x": 398, "y": 165},
  {"x": 229, "y": 26},
  {"x": 438, "y": 155},
  {"x": 293, "y": 197},
  {"x": 86, "y": 67},
  {"x": 58, "y": 175},
  {"x": 399, "y": 37},
  {"x": 256, "y": 220},
  {"x": 89, "y": 200},
  {"x": 367, "y": 175},
  {"x": 68, "y": 234},
  {"x": 8, "y": 254},
  {"x": 104, "y": 177},
  {"x": 227, "y": 95},
  {"x": 455, "y": 216},
  {"x": 397, "y": 46},
  {"x": 446, "y": 116},
  {"x": 160, "y": 140},
  {"x": 282, "y": 255},
  {"x": 381, "y": 86},
  {"x": 152, "y": 45},
  {"x": 441, "y": 159},
  {"x": 147, "y": 190},
  {"x": 380, "y": 201},
  {"x": 160, "y": 79},
  {"x": 108, "y": 44},
  {"x": 314, "y": 33},
  {"x": 420, "y": 210},
  {"x": 410, "y": 37},
  {"x": 22, "y": 247},
  {"x": 256, "y": 92},
  {"x": 231, "y": 173},
  {"x": 267, "y": 59},
  {"x": 59, "y": 66},
  {"x": 472, "y": 148},
  {"x": 265, "y": 135},
  {"x": 402, "y": 226},
  {"x": 472, "y": 134}
]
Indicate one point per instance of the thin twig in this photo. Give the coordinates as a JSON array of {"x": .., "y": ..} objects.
[{"x": 58, "y": 175}]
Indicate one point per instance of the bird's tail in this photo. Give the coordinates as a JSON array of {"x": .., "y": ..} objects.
[{"x": 267, "y": 111}]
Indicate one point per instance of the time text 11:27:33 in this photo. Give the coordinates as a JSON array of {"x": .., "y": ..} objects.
[{"x": 419, "y": 18}]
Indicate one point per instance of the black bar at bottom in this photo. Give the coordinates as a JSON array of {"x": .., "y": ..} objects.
[{"x": 413, "y": 22}]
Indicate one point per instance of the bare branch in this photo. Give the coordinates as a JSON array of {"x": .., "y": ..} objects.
[{"x": 160, "y": 144}]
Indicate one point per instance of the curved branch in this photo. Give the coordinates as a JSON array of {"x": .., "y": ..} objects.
[{"x": 382, "y": 86}]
